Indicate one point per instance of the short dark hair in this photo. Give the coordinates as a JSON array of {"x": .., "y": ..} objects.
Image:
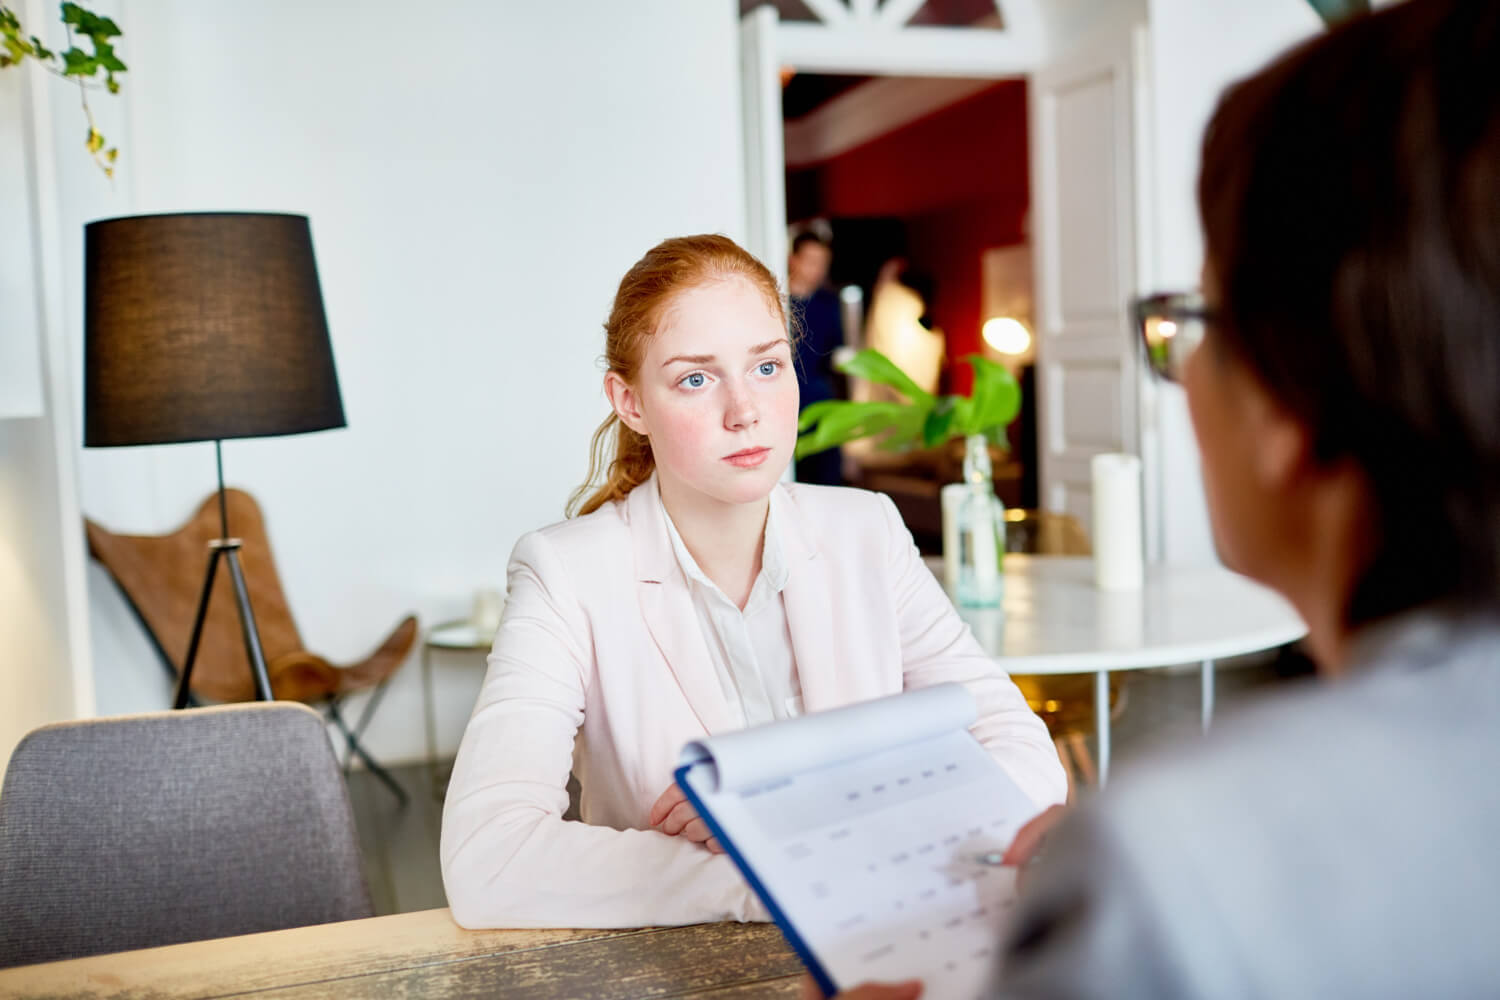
[
  {"x": 1350, "y": 199},
  {"x": 810, "y": 236}
]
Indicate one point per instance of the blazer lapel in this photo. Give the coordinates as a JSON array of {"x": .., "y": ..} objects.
[
  {"x": 809, "y": 609},
  {"x": 667, "y": 607}
]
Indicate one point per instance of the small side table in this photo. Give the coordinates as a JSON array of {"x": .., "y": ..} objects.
[{"x": 456, "y": 636}]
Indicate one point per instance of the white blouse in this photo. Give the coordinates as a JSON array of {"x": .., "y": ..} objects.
[{"x": 751, "y": 649}]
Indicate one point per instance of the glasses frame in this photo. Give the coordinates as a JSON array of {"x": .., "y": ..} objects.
[{"x": 1178, "y": 307}]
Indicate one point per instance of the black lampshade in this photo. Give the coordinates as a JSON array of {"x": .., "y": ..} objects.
[{"x": 204, "y": 326}]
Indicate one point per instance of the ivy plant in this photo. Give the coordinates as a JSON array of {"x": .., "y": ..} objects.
[{"x": 74, "y": 62}]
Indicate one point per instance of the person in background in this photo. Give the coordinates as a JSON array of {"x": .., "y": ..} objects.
[
  {"x": 692, "y": 594},
  {"x": 818, "y": 329},
  {"x": 1342, "y": 368}
]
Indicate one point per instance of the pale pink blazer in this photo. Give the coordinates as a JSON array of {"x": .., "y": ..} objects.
[{"x": 600, "y": 642}]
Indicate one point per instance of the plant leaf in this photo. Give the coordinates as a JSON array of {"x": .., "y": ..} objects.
[
  {"x": 996, "y": 397},
  {"x": 77, "y": 62},
  {"x": 876, "y": 367},
  {"x": 813, "y": 412},
  {"x": 939, "y": 422},
  {"x": 846, "y": 421}
]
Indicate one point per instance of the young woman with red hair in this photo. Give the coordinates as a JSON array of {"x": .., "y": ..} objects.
[{"x": 693, "y": 593}]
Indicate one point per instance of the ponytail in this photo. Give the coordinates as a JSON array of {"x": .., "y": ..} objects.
[{"x": 632, "y": 465}]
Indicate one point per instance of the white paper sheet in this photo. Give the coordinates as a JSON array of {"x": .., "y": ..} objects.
[{"x": 882, "y": 856}]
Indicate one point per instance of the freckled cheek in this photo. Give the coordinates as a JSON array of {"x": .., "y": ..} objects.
[{"x": 682, "y": 432}]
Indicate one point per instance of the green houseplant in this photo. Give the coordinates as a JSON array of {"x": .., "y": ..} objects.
[
  {"x": 923, "y": 420},
  {"x": 973, "y": 517}
]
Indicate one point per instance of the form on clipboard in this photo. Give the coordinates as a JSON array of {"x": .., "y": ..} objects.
[{"x": 873, "y": 834}]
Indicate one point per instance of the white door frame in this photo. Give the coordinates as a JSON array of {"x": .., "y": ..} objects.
[
  {"x": 867, "y": 37},
  {"x": 871, "y": 37}
]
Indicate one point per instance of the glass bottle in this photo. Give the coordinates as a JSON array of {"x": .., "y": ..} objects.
[{"x": 981, "y": 530}]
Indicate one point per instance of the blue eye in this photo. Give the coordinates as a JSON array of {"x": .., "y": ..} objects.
[
  {"x": 769, "y": 367},
  {"x": 695, "y": 381}
]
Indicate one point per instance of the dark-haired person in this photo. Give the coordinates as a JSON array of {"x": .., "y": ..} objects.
[
  {"x": 1338, "y": 841},
  {"x": 819, "y": 327}
]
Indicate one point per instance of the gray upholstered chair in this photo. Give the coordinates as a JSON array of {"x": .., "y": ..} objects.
[{"x": 145, "y": 830}]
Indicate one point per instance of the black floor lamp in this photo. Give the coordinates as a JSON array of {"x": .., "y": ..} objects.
[{"x": 202, "y": 327}]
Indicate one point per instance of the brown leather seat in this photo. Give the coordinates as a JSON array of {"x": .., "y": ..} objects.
[{"x": 161, "y": 577}]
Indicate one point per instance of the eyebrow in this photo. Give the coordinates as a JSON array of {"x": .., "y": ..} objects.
[{"x": 703, "y": 359}]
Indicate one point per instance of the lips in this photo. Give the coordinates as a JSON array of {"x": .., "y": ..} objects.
[{"x": 749, "y": 458}]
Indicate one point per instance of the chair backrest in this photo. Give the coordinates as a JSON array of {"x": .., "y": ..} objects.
[
  {"x": 162, "y": 578},
  {"x": 1045, "y": 532},
  {"x": 146, "y": 830}
]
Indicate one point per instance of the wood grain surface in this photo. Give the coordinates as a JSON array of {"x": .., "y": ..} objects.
[{"x": 425, "y": 954}]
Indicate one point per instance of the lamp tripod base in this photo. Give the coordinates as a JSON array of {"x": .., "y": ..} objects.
[{"x": 227, "y": 549}]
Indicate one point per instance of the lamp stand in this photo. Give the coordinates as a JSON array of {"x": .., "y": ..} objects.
[{"x": 229, "y": 550}]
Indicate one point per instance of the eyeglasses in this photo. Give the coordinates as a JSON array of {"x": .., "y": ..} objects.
[{"x": 1171, "y": 328}]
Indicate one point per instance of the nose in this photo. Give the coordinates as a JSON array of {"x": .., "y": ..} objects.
[{"x": 741, "y": 412}]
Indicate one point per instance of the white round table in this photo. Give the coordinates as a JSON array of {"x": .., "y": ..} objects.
[{"x": 1053, "y": 620}]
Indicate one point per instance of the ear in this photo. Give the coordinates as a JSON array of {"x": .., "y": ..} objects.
[
  {"x": 1283, "y": 450},
  {"x": 626, "y": 402}
]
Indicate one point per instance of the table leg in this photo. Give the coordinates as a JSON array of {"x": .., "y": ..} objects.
[
  {"x": 1101, "y": 722},
  {"x": 1208, "y": 693},
  {"x": 428, "y": 714}
]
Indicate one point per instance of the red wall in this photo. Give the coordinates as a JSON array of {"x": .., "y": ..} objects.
[{"x": 957, "y": 178}]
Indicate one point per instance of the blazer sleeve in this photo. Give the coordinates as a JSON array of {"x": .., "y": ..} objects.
[
  {"x": 508, "y": 857},
  {"x": 937, "y": 647}
]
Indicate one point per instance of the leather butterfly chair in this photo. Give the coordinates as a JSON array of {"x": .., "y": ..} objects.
[
  {"x": 161, "y": 577},
  {"x": 1065, "y": 702}
]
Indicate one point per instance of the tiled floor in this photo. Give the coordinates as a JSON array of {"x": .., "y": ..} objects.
[{"x": 401, "y": 844}]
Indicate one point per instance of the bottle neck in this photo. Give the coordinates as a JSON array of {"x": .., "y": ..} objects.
[{"x": 977, "y": 460}]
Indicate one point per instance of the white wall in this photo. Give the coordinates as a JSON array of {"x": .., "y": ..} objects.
[
  {"x": 43, "y": 630},
  {"x": 478, "y": 177},
  {"x": 1197, "y": 47}
]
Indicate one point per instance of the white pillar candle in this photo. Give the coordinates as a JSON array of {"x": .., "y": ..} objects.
[{"x": 1118, "y": 557}]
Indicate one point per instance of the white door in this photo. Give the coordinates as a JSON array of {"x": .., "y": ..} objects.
[
  {"x": 1085, "y": 231},
  {"x": 765, "y": 160}
]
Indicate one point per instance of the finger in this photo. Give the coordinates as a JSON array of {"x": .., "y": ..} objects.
[
  {"x": 664, "y": 804},
  {"x": 681, "y": 815},
  {"x": 1030, "y": 836},
  {"x": 1020, "y": 849},
  {"x": 712, "y": 843},
  {"x": 697, "y": 831},
  {"x": 909, "y": 990}
]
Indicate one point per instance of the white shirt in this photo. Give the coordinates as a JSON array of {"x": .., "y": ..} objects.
[{"x": 751, "y": 649}]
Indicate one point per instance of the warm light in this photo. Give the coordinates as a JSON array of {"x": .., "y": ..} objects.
[
  {"x": 1006, "y": 335},
  {"x": 1166, "y": 328}
]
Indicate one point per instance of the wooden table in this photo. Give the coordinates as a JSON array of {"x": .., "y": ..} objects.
[{"x": 425, "y": 954}]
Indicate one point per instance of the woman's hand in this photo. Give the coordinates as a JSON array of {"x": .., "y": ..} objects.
[
  {"x": 674, "y": 815},
  {"x": 1029, "y": 838},
  {"x": 908, "y": 990}
]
